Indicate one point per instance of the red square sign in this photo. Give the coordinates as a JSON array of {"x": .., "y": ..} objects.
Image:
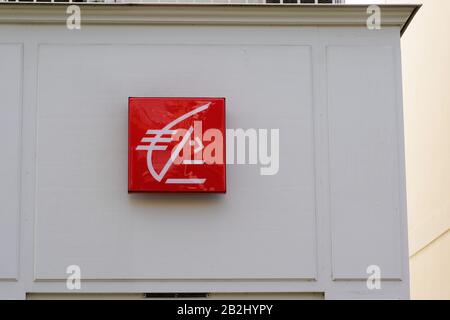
[{"x": 176, "y": 145}]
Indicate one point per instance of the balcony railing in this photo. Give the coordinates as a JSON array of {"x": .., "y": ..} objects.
[{"x": 186, "y": 1}]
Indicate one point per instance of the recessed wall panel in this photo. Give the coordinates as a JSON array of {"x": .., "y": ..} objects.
[
  {"x": 262, "y": 228},
  {"x": 10, "y": 141},
  {"x": 363, "y": 160}
]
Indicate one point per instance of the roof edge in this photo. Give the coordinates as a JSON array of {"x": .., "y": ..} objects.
[
  {"x": 393, "y": 15},
  {"x": 410, "y": 19}
]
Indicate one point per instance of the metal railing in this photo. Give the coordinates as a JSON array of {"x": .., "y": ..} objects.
[{"x": 186, "y": 1}]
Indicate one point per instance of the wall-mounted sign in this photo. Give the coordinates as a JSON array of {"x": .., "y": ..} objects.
[{"x": 176, "y": 145}]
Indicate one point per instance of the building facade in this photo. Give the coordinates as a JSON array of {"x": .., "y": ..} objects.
[{"x": 329, "y": 223}]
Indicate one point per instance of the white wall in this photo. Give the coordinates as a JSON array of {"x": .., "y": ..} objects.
[{"x": 336, "y": 206}]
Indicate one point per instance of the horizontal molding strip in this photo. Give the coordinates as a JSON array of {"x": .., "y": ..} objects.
[{"x": 206, "y": 14}]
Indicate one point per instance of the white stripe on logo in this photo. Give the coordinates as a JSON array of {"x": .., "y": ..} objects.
[{"x": 185, "y": 181}]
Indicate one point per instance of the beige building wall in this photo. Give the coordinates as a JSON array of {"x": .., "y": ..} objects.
[{"x": 426, "y": 81}]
